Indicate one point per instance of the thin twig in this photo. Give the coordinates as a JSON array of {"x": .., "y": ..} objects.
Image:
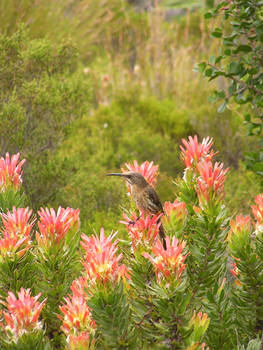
[{"x": 251, "y": 87}]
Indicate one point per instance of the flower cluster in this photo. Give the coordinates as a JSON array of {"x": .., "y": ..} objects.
[
  {"x": 195, "y": 152},
  {"x": 22, "y": 314},
  {"x": 54, "y": 226},
  {"x": 18, "y": 222},
  {"x": 10, "y": 172},
  {"x": 101, "y": 261},
  {"x": 239, "y": 225},
  {"x": 147, "y": 169},
  {"x": 77, "y": 322},
  {"x": 239, "y": 235},
  {"x": 210, "y": 183},
  {"x": 15, "y": 234},
  {"x": 168, "y": 264},
  {"x": 175, "y": 215},
  {"x": 143, "y": 231},
  {"x": 208, "y": 178}
]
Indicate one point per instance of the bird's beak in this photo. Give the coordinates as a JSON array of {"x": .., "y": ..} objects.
[{"x": 116, "y": 174}]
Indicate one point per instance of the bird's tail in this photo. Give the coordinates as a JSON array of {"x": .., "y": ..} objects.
[{"x": 162, "y": 235}]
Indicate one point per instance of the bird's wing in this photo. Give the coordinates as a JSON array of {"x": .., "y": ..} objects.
[{"x": 155, "y": 205}]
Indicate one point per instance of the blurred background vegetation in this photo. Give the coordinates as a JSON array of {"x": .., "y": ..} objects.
[{"x": 87, "y": 85}]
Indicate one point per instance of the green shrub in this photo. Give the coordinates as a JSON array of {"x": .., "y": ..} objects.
[
  {"x": 41, "y": 94},
  {"x": 242, "y": 186}
]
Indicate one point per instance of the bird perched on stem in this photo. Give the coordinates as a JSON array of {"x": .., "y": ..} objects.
[{"x": 144, "y": 196}]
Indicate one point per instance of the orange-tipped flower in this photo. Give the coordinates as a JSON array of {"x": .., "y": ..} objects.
[
  {"x": 54, "y": 226},
  {"x": 200, "y": 323},
  {"x": 177, "y": 208},
  {"x": 77, "y": 321},
  {"x": 80, "y": 341},
  {"x": 210, "y": 183},
  {"x": 143, "y": 231},
  {"x": 147, "y": 169},
  {"x": 101, "y": 261},
  {"x": 257, "y": 211},
  {"x": 23, "y": 313},
  {"x": 18, "y": 222},
  {"x": 10, "y": 172},
  {"x": 175, "y": 215},
  {"x": 168, "y": 264},
  {"x": 240, "y": 232},
  {"x": 240, "y": 224},
  {"x": 15, "y": 235},
  {"x": 12, "y": 245},
  {"x": 195, "y": 152}
]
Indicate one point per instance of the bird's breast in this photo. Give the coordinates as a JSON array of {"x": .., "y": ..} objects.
[{"x": 140, "y": 199}]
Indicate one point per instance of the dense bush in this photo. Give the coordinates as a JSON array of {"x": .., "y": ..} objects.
[{"x": 41, "y": 94}]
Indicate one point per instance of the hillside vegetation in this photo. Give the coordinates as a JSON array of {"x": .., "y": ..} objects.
[{"x": 83, "y": 94}]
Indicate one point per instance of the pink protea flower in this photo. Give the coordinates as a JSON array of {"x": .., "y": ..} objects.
[
  {"x": 101, "y": 261},
  {"x": 142, "y": 231},
  {"x": 15, "y": 234},
  {"x": 168, "y": 264},
  {"x": 10, "y": 172},
  {"x": 175, "y": 215},
  {"x": 147, "y": 169},
  {"x": 54, "y": 226},
  {"x": 257, "y": 211},
  {"x": 210, "y": 183},
  {"x": 18, "y": 222},
  {"x": 240, "y": 224},
  {"x": 77, "y": 321},
  {"x": 12, "y": 245},
  {"x": 23, "y": 313},
  {"x": 195, "y": 152},
  {"x": 178, "y": 208},
  {"x": 239, "y": 235}
]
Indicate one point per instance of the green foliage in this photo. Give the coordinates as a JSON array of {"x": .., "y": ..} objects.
[
  {"x": 56, "y": 267},
  {"x": 111, "y": 311},
  {"x": 16, "y": 272},
  {"x": 254, "y": 344},
  {"x": 242, "y": 185},
  {"x": 11, "y": 198},
  {"x": 28, "y": 341},
  {"x": 239, "y": 61},
  {"x": 205, "y": 233},
  {"x": 41, "y": 94}
]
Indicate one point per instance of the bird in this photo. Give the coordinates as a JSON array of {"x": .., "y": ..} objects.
[{"x": 144, "y": 196}]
